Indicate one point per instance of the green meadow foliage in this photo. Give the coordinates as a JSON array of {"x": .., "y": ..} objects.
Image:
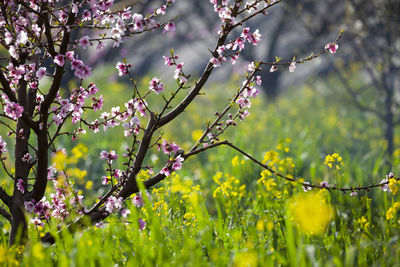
[{"x": 225, "y": 211}]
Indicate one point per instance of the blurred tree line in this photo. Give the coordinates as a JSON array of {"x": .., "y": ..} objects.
[{"x": 366, "y": 76}]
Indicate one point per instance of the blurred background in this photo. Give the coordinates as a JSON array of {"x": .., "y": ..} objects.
[{"x": 346, "y": 103}]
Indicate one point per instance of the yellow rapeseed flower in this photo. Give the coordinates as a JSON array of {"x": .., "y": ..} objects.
[
  {"x": 310, "y": 213},
  {"x": 37, "y": 251},
  {"x": 334, "y": 160},
  {"x": 394, "y": 186},
  {"x": 196, "y": 134},
  {"x": 235, "y": 161},
  {"x": 363, "y": 222},
  {"x": 59, "y": 159},
  {"x": 245, "y": 259}
]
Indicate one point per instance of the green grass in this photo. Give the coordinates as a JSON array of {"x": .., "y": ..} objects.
[{"x": 239, "y": 226}]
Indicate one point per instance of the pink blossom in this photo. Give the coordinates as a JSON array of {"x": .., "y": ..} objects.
[
  {"x": 105, "y": 180},
  {"x": 169, "y": 61},
  {"x": 306, "y": 186},
  {"x": 137, "y": 200},
  {"x": 20, "y": 186},
  {"x": 41, "y": 72},
  {"x": 142, "y": 224},
  {"x": 273, "y": 68},
  {"x": 258, "y": 80},
  {"x": 29, "y": 206},
  {"x": 168, "y": 148},
  {"x": 251, "y": 67},
  {"x": 170, "y": 27},
  {"x": 97, "y": 103},
  {"x": 100, "y": 224},
  {"x": 256, "y": 37},
  {"x": 324, "y": 184},
  {"x": 244, "y": 102},
  {"x": 13, "y": 110},
  {"x": 234, "y": 58},
  {"x": 59, "y": 60},
  {"x": 165, "y": 171},
  {"x": 161, "y": 10},
  {"x": 8, "y": 37},
  {"x": 156, "y": 85},
  {"x": 105, "y": 4},
  {"x": 332, "y": 47},
  {"x": 26, "y": 157},
  {"x": 123, "y": 68},
  {"x": 70, "y": 55},
  {"x": 177, "y": 165},
  {"x": 216, "y": 62},
  {"x": 84, "y": 41},
  {"x": 113, "y": 203},
  {"x": 140, "y": 106},
  {"x": 125, "y": 212},
  {"x": 110, "y": 156},
  {"x": 37, "y": 222},
  {"x": 239, "y": 43},
  {"x": 353, "y": 193},
  {"x": 385, "y": 185},
  {"x": 13, "y": 52},
  {"x": 292, "y": 66}
]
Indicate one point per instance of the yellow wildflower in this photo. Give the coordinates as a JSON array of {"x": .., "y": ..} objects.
[
  {"x": 196, "y": 134},
  {"x": 235, "y": 161},
  {"x": 363, "y": 222},
  {"x": 334, "y": 160},
  {"x": 393, "y": 186},
  {"x": 310, "y": 212}
]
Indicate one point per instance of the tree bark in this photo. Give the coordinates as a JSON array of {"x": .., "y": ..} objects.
[{"x": 18, "y": 233}]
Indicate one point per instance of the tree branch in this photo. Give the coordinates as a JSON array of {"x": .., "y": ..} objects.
[
  {"x": 203, "y": 79},
  {"x": 5, "y": 214},
  {"x": 5, "y": 197}
]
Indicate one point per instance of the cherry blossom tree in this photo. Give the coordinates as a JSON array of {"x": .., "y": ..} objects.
[{"x": 38, "y": 38}]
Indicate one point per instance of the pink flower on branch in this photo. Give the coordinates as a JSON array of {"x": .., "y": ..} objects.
[
  {"x": 137, "y": 200},
  {"x": 13, "y": 110},
  {"x": 332, "y": 47},
  {"x": 123, "y": 68},
  {"x": 292, "y": 66},
  {"x": 59, "y": 60},
  {"x": 109, "y": 156},
  {"x": 156, "y": 85},
  {"x": 20, "y": 186},
  {"x": 170, "y": 27},
  {"x": 84, "y": 41},
  {"x": 41, "y": 72}
]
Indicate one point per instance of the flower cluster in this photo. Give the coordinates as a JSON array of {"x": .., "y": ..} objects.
[
  {"x": 156, "y": 85},
  {"x": 391, "y": 212},
  {"x": 334, "y": 161},
  {"x": 112, "y": 203},
  {"x": 174, "y": 164},
  {"x": 235, "y": 47},
  {"x": 12, "y": 109}
]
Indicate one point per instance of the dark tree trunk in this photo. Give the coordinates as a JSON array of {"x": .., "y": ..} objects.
[{"x": 18, "y": 233}]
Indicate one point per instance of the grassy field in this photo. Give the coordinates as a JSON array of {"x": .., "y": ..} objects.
[{"x": 223, "y": 210}]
